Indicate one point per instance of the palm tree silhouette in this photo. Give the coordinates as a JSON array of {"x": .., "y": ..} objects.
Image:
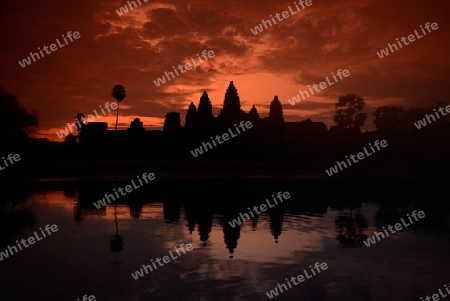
[{"x": 119, "y": 93}]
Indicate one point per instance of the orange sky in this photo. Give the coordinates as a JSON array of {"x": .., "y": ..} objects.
[{"x": 138, "y": 47}]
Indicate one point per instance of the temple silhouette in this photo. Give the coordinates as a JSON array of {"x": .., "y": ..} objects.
[
  {"x": 267, "y": 133},
  {"x": 271, "y": 142}
]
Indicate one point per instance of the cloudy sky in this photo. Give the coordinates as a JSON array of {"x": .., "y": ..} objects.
[{"x": 138, "y": 47}]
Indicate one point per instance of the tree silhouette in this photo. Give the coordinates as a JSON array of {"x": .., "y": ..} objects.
[
  {"x": 119, "y": 93},
  {"x": 79, "y": 121},
  {"x": 389, "y": 118},
  {"x": 349, "y": 114},
  {"x": 15, "y": 122},
  {"x": 414, "y": 114}
]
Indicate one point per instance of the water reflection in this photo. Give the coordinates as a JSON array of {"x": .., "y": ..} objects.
[
  {"x": 350, "y": 228},
  {"x": 116, "y": 242},
  {"x": 201, "y": 216},
  {"x": 16, "y": 214},
  {"x": 242, "y": 262},
  {"x": 350, "y": 224},
  {"x": 276, "y": 222},
  {"x": 231, "y": 234}
]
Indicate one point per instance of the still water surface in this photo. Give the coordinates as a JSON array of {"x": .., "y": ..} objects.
[{"x": 95, "y": 251}]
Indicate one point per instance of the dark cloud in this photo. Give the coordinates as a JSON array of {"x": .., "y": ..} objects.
[{"x": 138, "y": 47}]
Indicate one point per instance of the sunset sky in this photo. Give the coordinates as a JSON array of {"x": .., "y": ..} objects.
[{"x": 138, "y": 47}]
